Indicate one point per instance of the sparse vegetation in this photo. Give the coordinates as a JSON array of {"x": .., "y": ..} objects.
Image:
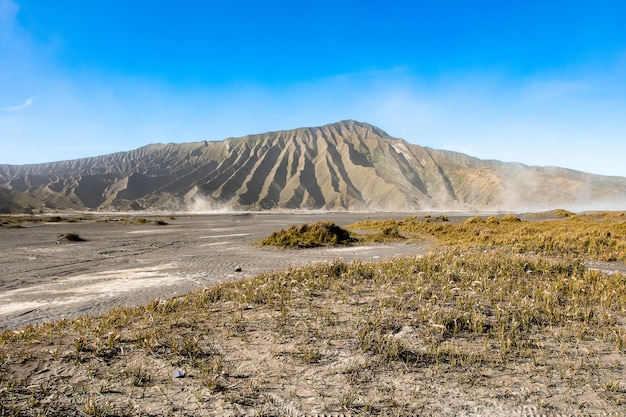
[
  {"x": 17, "y": 202},
  {"x": 71, "y": 237},
  {"x": 134, "y": 220},
  {"x": 595, "y": 236},
  {"x": 309, "y": 236},
  {"x": 18, "y": 220},
  {"x": 556, "y": 213},
  {"x": 502, "y": 300},
  {"x": 386, "y": 234}
]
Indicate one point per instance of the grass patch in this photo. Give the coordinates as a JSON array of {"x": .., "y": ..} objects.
[
  {"x": 18, "y": 219},
  {"x": 389, "y": 233},
  {"x": 71, "y": 237},
  {"x": 323, "y": 233},
  {"x": 133, "y": 220},
  {"x": 594, "y": 236}
]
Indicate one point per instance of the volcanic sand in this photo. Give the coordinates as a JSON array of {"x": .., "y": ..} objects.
[{"x": 124, "y": 263}]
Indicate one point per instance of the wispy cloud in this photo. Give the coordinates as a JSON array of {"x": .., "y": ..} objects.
[{"x": 26, "y": 104}]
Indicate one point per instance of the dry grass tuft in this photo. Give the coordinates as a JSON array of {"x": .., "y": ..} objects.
[
  {"x": 71, "y": 237},
  {"x": 309, "y": 235}
]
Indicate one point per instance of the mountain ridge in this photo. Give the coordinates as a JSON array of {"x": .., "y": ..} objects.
[{"x": 347, "y": 165}]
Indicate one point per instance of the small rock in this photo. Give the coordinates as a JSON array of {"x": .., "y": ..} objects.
[
  {"x": 238, "y": 269},
  {"x": 179, "y": 373}
]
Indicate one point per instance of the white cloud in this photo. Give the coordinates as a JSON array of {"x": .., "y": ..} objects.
[{"x": 26, "y": 104}]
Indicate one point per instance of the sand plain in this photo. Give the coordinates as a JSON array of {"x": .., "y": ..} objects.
[{"x": 123, "y": 262}]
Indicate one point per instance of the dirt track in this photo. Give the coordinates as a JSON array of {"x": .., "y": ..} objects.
[{"x": 121, "y": 263}]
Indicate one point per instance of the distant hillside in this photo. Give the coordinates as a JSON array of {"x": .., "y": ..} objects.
[
  {"x": 341, "y": 166},
  {"x": 17, "y": 202}
]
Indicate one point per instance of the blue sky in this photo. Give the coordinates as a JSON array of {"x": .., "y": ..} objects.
[{"x": 538, "y": 82}]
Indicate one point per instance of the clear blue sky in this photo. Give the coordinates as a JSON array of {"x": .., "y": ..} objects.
[{"x": 538, "y": 82}]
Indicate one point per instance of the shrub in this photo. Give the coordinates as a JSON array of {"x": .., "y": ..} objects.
[
  {"x": 511, "y": 219},
  {"x": 563, "y": 213},
  {"x": 386, "y": 234},
  {"x": 474, "y": 220},
  {"x": 309, "y": 236},
  {"x": 72, "y": 237}
]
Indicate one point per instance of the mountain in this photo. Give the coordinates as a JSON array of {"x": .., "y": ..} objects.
[{"x": 341, "y": 166}]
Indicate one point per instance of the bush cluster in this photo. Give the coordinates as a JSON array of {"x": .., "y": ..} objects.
[{"x": 309, "y": 235}]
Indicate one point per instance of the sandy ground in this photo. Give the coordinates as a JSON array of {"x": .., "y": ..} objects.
[
  {"x": 262, "y": 370},
  {"x": 43, "y": 277}
]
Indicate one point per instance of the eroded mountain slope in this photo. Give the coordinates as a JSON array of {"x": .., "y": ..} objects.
[{"x": 342, "y": 166}]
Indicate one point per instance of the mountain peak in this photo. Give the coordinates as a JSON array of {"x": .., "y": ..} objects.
[
  {"x": 356, "y": 127},
  {"x": 346, "y": 126}
]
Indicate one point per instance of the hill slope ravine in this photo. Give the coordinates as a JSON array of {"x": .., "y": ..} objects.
[{"x": 342, "y": 166}]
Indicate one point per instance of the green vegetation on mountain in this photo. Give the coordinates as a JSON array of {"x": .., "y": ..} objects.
[{"x": 17, "y": 202}]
